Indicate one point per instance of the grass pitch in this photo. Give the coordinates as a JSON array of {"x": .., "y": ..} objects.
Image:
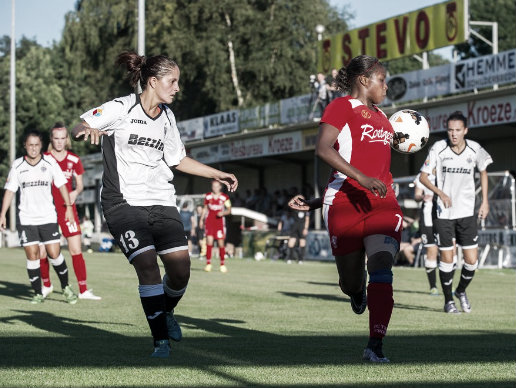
[{"x": 263, "y": 324}]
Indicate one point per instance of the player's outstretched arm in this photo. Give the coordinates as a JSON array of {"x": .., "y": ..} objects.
[
  {"x": 6, "y": 202},
  {"x": 324, "y": 149},
  {"x": 301, "y": 204},
  {"x": 193, "y": 167},
  {"x": 82, "y": 131}
]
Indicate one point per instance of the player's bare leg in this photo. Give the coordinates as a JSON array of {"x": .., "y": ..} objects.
[
  {"x": 467, "y": 273},
  {"x": 352, "y": 278},
  {"x": 209, "y": 249},
  {"x": 175, "y": 281},
  {"x": 58, "y": 262},
  {"x": 222, "y": 254},
  {"x": 79, "y": 267},
  {"x": 430, "y": 268},
  {"x": 446, "y": 272},
  {"x": 152, "y": 297},
  {"x": 33, "y": 270}
]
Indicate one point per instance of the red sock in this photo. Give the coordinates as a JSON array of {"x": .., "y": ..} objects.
[
  {"x": 79, "y": 266},
  {"x": 45, "y": 271},
  {"x": 222, "y": 253},
  {"x": 380, "y": 304},
  {"x": 208, "y": 253}
]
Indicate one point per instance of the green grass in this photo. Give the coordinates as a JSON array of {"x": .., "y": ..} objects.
[{"x": 263, "y": 324}]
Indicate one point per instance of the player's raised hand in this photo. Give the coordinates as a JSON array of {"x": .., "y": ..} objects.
[
  {"x": 84, "y": 131},
  {"x": 375, "y": 186},
  {"x": 229, "y": 180},
  {"x": 446, "y": 200},
  {"x": 298, "y": 203}
]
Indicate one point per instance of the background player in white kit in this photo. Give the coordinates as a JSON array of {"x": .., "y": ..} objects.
[
  {"x": 33, "y": 174},
  {"x": 426, "y": 227},
  {"x": 454, "y": 161}
]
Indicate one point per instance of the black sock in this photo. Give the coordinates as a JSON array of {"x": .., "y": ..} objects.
[
  {"x": 172, "y": 297},
  {"x": 290, "y": 253},
  {"x": 466, "y": 275},
  {"x": 302, "y": 253},
  {"x": 446, "y": 280},
  {"x": 153, "y": 303},
  {"x": 34, "y": 272},
  {"x": 61, "y": 269},
  {"x": 432, "y": 278}
]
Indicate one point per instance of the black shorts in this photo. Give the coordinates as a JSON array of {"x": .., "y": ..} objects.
[
  {"x": 138, "y": 229},
  {"x": 296, "y": 230},
  {"x": 36, "y": 234},
  {"x": 427, "y": 229},
  {"x": 464, "y": 230}
]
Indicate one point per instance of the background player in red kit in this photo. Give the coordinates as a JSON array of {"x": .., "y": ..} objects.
[
  {"x": 360, "y": 208},
  {"x": 216, "y": 206},
  {"x": 72, "y": 168}
]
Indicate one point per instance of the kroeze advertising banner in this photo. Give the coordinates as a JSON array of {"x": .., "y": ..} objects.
[{"x": 222, "y": 123}]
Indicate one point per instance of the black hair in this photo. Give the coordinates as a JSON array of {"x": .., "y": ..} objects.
[
  {"x": 32, "y": 132},
  {"x": 140, "y": 68},
  {"x": 360, "y": 65},
  {"x": 458, "y": 116}
]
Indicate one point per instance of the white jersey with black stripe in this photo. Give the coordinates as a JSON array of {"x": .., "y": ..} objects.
[
  {"x": 138, "y": 152},
  {"x": 35, "y": 183},
  {"x": 455, "y": 176}
]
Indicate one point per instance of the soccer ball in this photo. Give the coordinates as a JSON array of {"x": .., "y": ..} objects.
[
  {"x": 411, "y": 131},
  {"x": 258, "y": 256}
]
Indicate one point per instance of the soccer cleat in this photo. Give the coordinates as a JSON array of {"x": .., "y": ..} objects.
[
  {"x": 46, "y": 291},
  {"x": 161, "y": 349},
  {"x": 374, "y": 356},
  {"x": 174, "y": 330},
  {"x": 207, "y": 268},
  {"x": 289, "y": 261},
  {"x": 69, "y": 295},
  {"x": 300, "y": 262},
  {"x": 223, "y": 269},
  {"x": 464, "y": 302},
  {"x": 359, "y": 301},
  {"x": 434, "y": 291},
  {"x": 88, "y": 294},
  {"x": 37, "y": 299},
  {"x": 450, "y": 308}
]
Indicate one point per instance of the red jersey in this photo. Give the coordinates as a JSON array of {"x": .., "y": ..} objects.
[
  {"x": 71, "y": 166},
  {"x": 364, "y": 142},
  {"x": 215, "y": 204}
]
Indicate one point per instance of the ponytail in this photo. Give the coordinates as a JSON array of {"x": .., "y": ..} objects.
[{"x": 361, "y": 65}]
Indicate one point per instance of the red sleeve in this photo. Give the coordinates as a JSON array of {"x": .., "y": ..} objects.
[
  {"x": 79, "y": 169},
  {"x": 337, "y": 113}
]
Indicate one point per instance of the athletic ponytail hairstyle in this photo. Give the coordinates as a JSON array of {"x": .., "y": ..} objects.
[
  {"x": 140, "y": 68},
  {"x": 360, "y": 65}
]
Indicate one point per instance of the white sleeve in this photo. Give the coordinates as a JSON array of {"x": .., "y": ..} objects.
[
  {"x": 106, "y": 116},
  {"x": 174, "y": 149},
  {"x": 12, "y": 183},
  {"x": 57, "y": 173},
  {"x": 483, "y": 159},
  {"x": 418, "y": 183},
  {"x": 430, "y": 162}
]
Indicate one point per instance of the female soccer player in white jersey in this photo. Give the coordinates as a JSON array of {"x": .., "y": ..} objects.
[
  {"x": 454, "y": 161},
  {"x": 360, "y": 208},
  {"x": 140, "y": 146},
  {"x": 71, "y": 165},
  {"x": 34, "y": 174}
]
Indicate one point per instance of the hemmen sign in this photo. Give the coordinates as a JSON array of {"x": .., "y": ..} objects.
[{"x": 426, "y": 29}]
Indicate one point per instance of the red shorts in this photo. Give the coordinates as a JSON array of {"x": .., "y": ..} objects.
[
  {"x": 349, "y": 222},
  {"x": 67, "y": 228},
  {"x": 216, "y": 228}
]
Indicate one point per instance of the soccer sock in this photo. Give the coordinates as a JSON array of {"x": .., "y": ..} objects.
[
  {"x": 468, "y": 271},
  {"x": 208, "y": 253},
  {"x": 33, "y": 269},
  {"x": 379, "y": 302},
  {"x": 59, "y": 265},
  {"x": 430, "y": 268},
  {"x": 446, "y": 275},
  {"x": 301, "y": 256},
  {"x": 222, "y": 254},
  {"x": 290, "y": 253},
  {"x": 172, "y": 297},
  {"x": 45, "y": 271},
  {"x": 153, "y": 303},
  {"x": 79, "y": 267}
]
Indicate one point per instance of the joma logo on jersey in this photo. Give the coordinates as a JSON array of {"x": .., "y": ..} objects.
[
  {"x": 375, "y": 135},
  {"x": 145, "y": 141},
  {"x": 136, "y": 121},
  {"x": 456, "y": 170}
]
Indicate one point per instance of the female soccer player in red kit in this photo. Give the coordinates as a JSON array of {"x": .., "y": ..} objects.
[{"x": 360, "y": 208}]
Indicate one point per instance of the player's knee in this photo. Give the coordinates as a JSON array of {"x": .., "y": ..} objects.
[{"x": 381, "y": 276}]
